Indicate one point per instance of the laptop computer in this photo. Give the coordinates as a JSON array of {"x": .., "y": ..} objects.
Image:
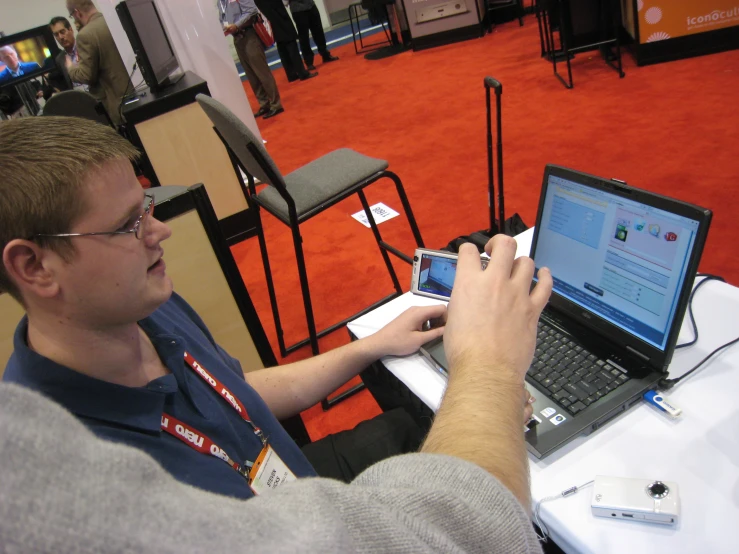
[{"x": 623, "y": 261}]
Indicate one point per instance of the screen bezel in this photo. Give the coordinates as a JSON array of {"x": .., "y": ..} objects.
[
  {"x": 657, "y": 358},
  {"x": 51, "y": 43},
  {"x": 156, "y": 78}
]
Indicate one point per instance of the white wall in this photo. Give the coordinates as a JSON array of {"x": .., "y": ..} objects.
[{"x": 19, "y": 15}]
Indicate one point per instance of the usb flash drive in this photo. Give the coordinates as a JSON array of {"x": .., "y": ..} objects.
[{"x": 657, "y": 399}]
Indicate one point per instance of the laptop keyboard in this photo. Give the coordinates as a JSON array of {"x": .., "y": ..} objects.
[{"x": 574, "y": 377}]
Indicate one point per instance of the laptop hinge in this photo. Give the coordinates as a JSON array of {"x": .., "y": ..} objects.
[{"x": 635, "y": 351}]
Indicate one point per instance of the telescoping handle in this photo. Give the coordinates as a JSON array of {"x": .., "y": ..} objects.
[{"x": 491, "y": 83}]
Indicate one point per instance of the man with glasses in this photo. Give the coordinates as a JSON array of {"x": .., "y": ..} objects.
[
  {"x": 99, "y": 64},
  {"x": 106, "y": 337}
]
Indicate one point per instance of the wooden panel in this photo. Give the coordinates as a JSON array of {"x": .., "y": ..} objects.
[
  {"x": 184, "y": 150},
  {"x": 10, "y": 314},
  {"x": 198, "y": 278}
]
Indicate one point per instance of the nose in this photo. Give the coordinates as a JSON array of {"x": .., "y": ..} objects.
[{"x": 156, "y": 232}]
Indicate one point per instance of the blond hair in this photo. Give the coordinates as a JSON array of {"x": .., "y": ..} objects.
[{"x": 43, "y": 165}]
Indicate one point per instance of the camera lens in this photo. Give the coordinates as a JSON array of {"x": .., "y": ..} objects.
[
  {"x": 415, "y": 258},
  {"x": 658, "y": 490}
]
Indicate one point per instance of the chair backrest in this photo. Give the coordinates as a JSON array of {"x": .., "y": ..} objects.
[
  {"x": 238, "y": 136},
  {"x": 77, "y": 103},
  {"x": 203, "y": 271}
]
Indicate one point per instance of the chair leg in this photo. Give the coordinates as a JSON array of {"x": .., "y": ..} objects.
[
  {"x": 297, "y": 243},
  {"x": 521, "y": 13},
  {"x": 378, "y": 239},
  {"x": 270, "y": 282},
  {"x": 406, "y": 207}
]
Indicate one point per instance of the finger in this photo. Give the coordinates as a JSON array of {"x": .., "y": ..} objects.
[
  {"x": 528, "y": 411},
  {"x": 523, "y": 269},
  {"x": 543, "y": 289},
  {"x": 431, "y": 312},
  {"x": 501, "y": 256},
  {"x": 432, "y": 334},
  {"x": 468, "y": 261}
]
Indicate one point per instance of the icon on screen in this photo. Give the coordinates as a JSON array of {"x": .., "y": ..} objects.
[
  {"x": 621, "y": 233},
  {"x": 670, "y": 237},
  {"x": 654, "y": 230}
]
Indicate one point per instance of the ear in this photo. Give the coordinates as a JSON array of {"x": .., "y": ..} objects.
[{"x": 28, "y": 266}]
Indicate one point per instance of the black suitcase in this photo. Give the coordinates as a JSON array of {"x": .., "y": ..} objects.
[{"x": 514, "y": 224}]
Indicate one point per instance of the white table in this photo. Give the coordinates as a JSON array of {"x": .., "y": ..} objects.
[{"x": 699, "y": 451}]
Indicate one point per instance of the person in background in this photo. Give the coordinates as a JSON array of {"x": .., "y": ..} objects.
[
  {"x": 106, "y": 337},
  {"x": 308, "y": 20},
  {"x": 14, "y": 67},
  {"x": 286, "y": 38},
  {"x": 99, "y": 63},
  {"x": 237, "y": 18},
  {"x": 64, "y": 35}
]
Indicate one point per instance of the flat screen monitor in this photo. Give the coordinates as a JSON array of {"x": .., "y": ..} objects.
[
  {"x": 26, "y": 55},
  {"x": 154, "y": 53}
]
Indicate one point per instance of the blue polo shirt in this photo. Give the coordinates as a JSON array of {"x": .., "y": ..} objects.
[{"x": 132, "y": 415}]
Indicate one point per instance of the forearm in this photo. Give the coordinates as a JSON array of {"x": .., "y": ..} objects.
[
  {"x": 292, "y": 388},
  {"x": 80, "y": 74},
  {"x": 480, "y": 421}
]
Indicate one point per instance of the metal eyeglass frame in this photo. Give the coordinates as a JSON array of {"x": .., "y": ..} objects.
[{"x": 148, "y": 210}]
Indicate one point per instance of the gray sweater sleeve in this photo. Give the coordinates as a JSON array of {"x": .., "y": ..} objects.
[{"x": 64, "y": 490}]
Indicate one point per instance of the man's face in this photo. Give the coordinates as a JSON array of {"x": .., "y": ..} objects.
[
  {"x": 114, "y": 280},
  {"x": 64, "y": 36},
  {"x": 9, "y": 57},
  {"x": 76, "y": 15}
]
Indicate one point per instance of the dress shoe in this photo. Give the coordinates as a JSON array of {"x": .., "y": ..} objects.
[
  {"x": 310, "y": 67},
  {"x": 309, "y": 75},
  {"x": 330, "y": 58},
  {"x": 261, "y": 111},
  {"x": 273, "y": 112}
]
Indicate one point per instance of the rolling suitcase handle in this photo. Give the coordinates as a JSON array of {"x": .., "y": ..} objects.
[{"x": 494, "y": 84}]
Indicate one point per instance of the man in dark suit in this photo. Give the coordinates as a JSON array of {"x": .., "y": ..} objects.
[
  {"x": 59, "y": 80},
  {"x": 286, "y": 38},
  {"x": 14, "y": 67}
]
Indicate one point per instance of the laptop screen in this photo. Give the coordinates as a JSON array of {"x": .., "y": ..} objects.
[{"x": 615, "y": 257}]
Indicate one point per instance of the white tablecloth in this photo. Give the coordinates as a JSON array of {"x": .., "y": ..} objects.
[{"x": 699, "y": 451}]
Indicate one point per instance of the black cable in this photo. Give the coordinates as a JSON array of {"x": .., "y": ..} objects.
[
  {"x": 707, "y": 277},
  {"x": 125, "y": 94},
  {"x": 667, "y": 384}
]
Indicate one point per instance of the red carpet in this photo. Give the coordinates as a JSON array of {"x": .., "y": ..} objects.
[{"x": 672, "y": 128}]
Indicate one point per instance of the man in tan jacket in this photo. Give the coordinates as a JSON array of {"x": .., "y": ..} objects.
[{"x": 100, "y": 65}]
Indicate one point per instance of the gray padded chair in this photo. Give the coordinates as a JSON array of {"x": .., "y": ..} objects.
[
  {"x": 78, "y": 103},
  {"x": 300, "y": 195}
]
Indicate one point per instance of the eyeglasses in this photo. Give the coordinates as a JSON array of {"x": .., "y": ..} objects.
[{"x": 137, "y": 229}]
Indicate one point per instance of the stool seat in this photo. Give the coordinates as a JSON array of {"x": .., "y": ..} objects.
[{"x": 320, "y": 181}]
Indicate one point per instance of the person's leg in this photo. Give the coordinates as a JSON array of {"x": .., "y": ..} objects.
[
  {"x": 257, "y": 62},
  {"x": 316, "y": 29},
  {"x": 242, "y": 50},
  {"x": 302, "y": 22},
  {"x": 297, "y": 62},
  {"x": 287, "y": 62},
  {"x": 345, "y": 455}
]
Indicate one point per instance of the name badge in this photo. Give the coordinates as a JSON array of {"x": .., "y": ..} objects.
[{"x": 269, "y": 472}]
